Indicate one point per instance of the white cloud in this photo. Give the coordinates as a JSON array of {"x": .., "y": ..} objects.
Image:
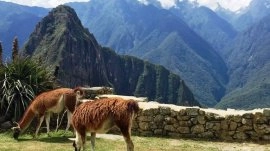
[
  {"x": 233, "y": 5},
  {"x": 167, "y": 3},
  {"x": 43, "y": 3},
  {"x": 145, "y": 2}
]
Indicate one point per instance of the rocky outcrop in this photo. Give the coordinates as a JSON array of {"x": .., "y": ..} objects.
[{"x": 185, "y": 122}]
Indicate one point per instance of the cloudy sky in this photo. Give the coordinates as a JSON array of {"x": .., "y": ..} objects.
[
  {"x": 43, "y": 3},
  {"x": 233, "y": 5}
]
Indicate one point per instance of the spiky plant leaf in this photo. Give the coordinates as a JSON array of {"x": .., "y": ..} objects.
[{"x": 20, "y": 81}]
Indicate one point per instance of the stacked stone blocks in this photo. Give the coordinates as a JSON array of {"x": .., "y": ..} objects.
[{"x": 196, "y": 123}]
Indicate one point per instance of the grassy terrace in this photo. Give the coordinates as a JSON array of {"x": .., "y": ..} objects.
[{"x": 58, "y": 142}]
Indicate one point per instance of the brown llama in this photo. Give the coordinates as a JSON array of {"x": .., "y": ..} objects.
[
  {"x": 54, "y": 101},
  {"x": 101, "y": 115}
]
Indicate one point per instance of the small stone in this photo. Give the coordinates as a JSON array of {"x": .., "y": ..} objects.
[
  {"x": 248, "y": 115},
  {"x": 183, "y": 118},
  {"x": 224, "y": 125},
  {"x": 237, "y": 118},
  {"x": 201, "y": 119},
  {"x": 169, "y": 128},
  {"x": 144, "y": 126},
  {"x": 197, "y": 129},
  {"x": 145, "y": 118},
  {"x": 240, "y": 136},
  {"x": 165, "y": 110},
  {"x": 158, "y": 131},
  {"x": 201, "y": 112},
  {"x": 170, "y": 120},
  {"x": 183, "y": 130},
  {"x": 194, "y": 121},
  {"x": 266, "y": 112},
  {"x": 159, "y": 118},
  {"x": 182, "y": 112},
  {"x": 184, "y": 123},
  {"x": 209, "y": 125},
  {"x": 233, "y": 126},
  {"x": 192, "y": 111}
]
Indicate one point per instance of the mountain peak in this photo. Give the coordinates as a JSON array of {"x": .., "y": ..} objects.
[
  {"x": 61, "y": 22},
  {"x": 60, "y": 40},
  {"x": 64, "y": 14}
]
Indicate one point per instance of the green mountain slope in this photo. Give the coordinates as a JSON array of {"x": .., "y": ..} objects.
[
  {"x": 214, "y": 29},
  {"x": 61, "y": 40},
  {"x": 17, "y": 20},
  {"x": 249, "y": 68},
  {"x": 160, "y": 37}
]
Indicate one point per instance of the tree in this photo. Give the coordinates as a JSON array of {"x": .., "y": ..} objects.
[
  {"x": 15, "y": 49},
  {"x": 1, "y": 54}
]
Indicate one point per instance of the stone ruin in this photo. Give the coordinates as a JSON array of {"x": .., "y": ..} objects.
[{"x": 164, "y": 120}]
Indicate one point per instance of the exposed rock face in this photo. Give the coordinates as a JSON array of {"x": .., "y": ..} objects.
[{"x": 61, "y": 41}]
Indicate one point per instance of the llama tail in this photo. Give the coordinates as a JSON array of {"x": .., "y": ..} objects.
[{"x": 133, "y": 106}]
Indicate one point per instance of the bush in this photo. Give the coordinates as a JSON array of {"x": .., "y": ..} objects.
[{"x": 20, "y": 81}]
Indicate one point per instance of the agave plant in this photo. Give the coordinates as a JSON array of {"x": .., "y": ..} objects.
[{"x": 20, "y": 81}]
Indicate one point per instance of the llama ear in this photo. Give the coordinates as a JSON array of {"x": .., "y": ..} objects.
[{"x": 16, "y": 125}]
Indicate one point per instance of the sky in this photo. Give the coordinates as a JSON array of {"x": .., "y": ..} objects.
[
  {"x": 43, "y": 3},
  {"x": 232, "y": 5}
]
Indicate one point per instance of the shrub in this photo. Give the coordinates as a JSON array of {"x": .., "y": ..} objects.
[{"x": 20, "y": 81}]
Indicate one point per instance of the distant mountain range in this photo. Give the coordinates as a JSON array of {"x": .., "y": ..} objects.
[
  {"x": 249, "y": 68},
  {"x": 159, "y": 36},
  {"x": 211, "y": 27},
  {"x": 17, "y": 20},
  {"x": 241, "y": 21},
  {"x": 60, "y": 40},
  {"x": 222, "y": 56}
]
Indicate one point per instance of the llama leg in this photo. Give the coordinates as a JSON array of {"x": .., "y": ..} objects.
[
  {"x": 129, "y": 143},
  {"x": 78, "y": 142},
  {"x": 83, "y": 138},
  {"x": 40, "y": 120},
  {"x": 93, "y": 140},
  {"x": 48, "y": 115},
  {"x": 57, "y": 122},
  {"x": 126, "y": 131},
  {"x": 69, "y": 116}
]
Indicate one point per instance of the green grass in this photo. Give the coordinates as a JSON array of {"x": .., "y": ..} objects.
[{"x": 58, "y": 142}]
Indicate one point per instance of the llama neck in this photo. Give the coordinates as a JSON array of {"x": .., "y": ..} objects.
[{"x": 26, "y": 119}]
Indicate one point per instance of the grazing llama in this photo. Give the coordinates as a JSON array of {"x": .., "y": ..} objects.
[
  {"x": 101, "y": 115},
  {"x": 54, "y": 101}
]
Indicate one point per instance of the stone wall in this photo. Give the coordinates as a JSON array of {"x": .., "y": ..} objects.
[{"x": 174, "y": 121}]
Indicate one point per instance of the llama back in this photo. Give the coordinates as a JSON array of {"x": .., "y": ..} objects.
[{"x": 97, "y": 111}]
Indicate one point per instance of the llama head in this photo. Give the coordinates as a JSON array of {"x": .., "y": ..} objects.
[
  {"x": 16, "y": 130},
  {"x": 79, "y": 92},
  {"x": 75, "y": 146}
]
